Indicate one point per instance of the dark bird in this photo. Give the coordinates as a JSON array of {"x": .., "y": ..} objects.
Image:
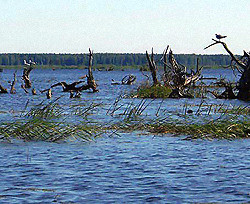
[{"x": 218, "y": 36}]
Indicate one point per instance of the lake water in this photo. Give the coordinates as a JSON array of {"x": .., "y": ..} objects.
[{"x": 130, "y": 168}]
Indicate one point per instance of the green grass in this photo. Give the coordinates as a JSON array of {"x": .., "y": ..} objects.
[
  {"x": 46, "y": 122},
  {"x": 215, "y": 129},
  {"x": 146, "y": 91},
  {"x": 222, "y": 129},
  {"x": 231, "y": 123}
]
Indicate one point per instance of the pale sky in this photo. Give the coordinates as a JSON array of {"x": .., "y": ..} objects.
[{"x": 123, "y": 26}]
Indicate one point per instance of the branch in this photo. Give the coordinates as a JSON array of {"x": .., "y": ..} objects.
[{"x": 238, "y": 62}]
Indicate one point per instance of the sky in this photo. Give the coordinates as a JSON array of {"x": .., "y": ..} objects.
[{"x": 123, "y": 26}]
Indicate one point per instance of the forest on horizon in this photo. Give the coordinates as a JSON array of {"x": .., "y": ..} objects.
[{"x": 116, "y": 59}]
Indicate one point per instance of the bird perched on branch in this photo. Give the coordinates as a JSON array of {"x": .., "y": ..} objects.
[{"x": 218, "y": 36}]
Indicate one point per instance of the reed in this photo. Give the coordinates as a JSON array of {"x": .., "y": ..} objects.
[
  {"x": 222, "y": 129},
  {"x": 231, "y": 123},
  {"x": 45, "y": 122}
]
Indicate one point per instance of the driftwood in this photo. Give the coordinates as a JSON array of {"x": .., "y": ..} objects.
[
  {"x": 26, "y": 73},
  {"x": 2, "y": 89},
  {"x": 91, "y": 84},
  {"x": 23, "y": 87},
  {"x": 128, "y": 79},
  {"x": 34, "y": 91},
  {"x": 12, "y": 88},
  {"x": 49, "y": 94},
  {"x": 227, "y": 93},
  {"x": 76, "y": 95},
  {"x": 243, "y": 67},
  {"x": 177, "y": 77},
  {"x": 66, "y": 87},
  {"x": 181, "y": 78}
]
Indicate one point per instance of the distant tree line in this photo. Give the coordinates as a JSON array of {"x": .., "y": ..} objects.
[{"x": 14, "y": 59}]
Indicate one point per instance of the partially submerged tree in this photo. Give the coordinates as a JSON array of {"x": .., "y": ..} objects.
[
  {"x": 175, "y": 75},
  {"x": 12, "y": 88},
  {"x": 179, "y": 79},
  {"x": 152, "y": 67},
  {"x": 26, "y": 73},
  {"x": 91, "y": 84},
  {"x": 242, "y": 65}
]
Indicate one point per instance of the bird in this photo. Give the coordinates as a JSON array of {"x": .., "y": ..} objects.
[
  {"x": 25, "y": 63},
  {"x": 218, "y": 36}
]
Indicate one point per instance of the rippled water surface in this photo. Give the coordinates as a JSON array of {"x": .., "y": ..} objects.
[{"x": 129, "y": 168}]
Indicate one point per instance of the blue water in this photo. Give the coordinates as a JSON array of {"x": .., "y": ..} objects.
[{"x": 132, "y": 167}]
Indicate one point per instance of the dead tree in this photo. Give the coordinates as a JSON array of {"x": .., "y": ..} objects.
[
  {"x": 243, "y": 67},
  {"x": 12, "y": 88},
  {"x": 91, "y": 84},
  {"x": 175, "y": 75},
  {"x": 227, "y": 94},
  {"x": 179, "y": 78},
  {"x": 152, "y": 67},
  {"x": 26, "y": 73}
]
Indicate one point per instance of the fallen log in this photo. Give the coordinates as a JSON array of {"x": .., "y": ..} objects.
[
  {"x": 66, "y": 87},
  {"x": 128, "y": 79}
]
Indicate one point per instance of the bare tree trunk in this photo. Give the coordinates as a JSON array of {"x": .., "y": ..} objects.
[
  {"x": 49, "y": 94},
  {"x": 12, "y": 89},
  {"x": 152, "y": 67},
  {"x": 90, "y": 78},
  {"x": 26, "y": 73}
]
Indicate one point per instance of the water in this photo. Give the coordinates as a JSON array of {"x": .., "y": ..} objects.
[{"x": 131, "y": 168}]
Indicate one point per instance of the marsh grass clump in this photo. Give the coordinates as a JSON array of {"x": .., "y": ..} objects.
[
  {"x": 155, "y": 91},
  {"x": 231, "y": 123},
  {"x": 42, "y": 130},
  {"x": 222, "y": 129},
  {"x": 48, "y": 111},
  {"x": 214, "y": 129},
  {"x": 45, "y": 122}
]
